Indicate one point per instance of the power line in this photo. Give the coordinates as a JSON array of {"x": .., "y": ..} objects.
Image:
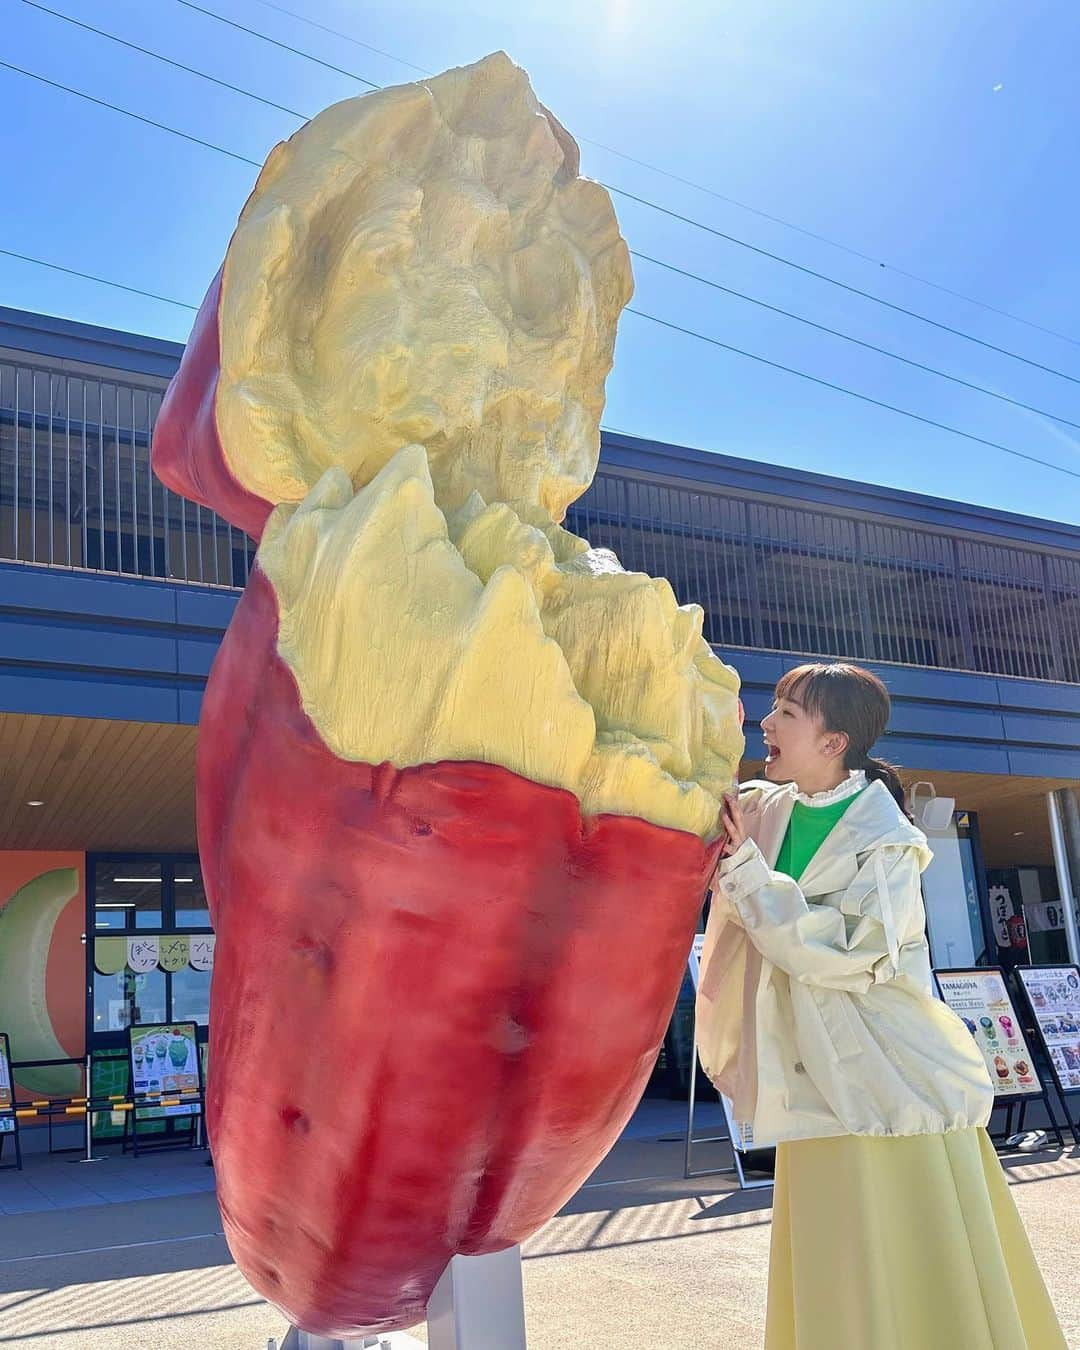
[
  {"x": 852, "y": 393},
  {"x": 126, "y": 112},
  {"x": 712, "y": 192},
  {"x": 351, "y": 74},
  {"x": 843, "y": 285},
  {"x": 630, "y": 310},
  {"x": 658, "y": 262},
  {"x": 104, "y": 281},
  {"x": 336, "y": 32},
  {"x": 689, "y": 220},
  {"x": 168, "y": 60},
  {"x": 858, "y": 342}
]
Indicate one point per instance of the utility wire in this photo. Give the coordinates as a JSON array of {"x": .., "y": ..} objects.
[
  {"x": 168, "y": 60},
  {"x": 657, "y": 262},
  {"x": 336, "y": 32},
  {"x": 712, "y": 192},
  {"x": 858, "y": 342},
  {"x": 843, "y": 285},
  {"x": 866, "y": 398},
  {"x": 126, "y": 112},
  {"x": 689, "y": 220},
  {"x": 852, "y": 393},
  {"x": 104, "y": 281},
  {"x": 254, "y": 32}
]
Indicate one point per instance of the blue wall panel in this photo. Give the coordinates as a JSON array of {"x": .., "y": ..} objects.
[{"x": 80, "y": 645}]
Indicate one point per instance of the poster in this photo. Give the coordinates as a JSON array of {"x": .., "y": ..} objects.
[
  {"x": 981, "y": 998},
  {"x": 1054, "y": 995},
  {"x": 165, "y": 1058},
  {"x": 741, "y": 1132},
  {"x": 7, "y": 1096}
]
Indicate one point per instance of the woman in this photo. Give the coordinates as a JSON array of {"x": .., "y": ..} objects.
[{"x": 893, "y": 1226}]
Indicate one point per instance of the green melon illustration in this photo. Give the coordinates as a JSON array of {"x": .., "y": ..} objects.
[{"x": 27, "y": 922}]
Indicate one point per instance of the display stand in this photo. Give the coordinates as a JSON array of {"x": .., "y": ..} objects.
[
  {"x": 9, "y": 1121},
  {"x": 732, "y": 1136},
  {"x": 980, "y": 996},
  {"x": 168, "y": 1087},
  {"x": 478, "y": 1304},
  {"x": 1052, "y": 995}
]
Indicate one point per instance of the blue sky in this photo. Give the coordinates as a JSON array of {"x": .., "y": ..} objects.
[{"x": 940, "y": 140}]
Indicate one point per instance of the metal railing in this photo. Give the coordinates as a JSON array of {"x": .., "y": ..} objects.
[{"x": 76, "y": 490}]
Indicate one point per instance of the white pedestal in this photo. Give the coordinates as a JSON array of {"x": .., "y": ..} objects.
[{"x": 478, "y": 1304}]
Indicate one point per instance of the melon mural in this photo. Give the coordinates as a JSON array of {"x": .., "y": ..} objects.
[{"x": 42, "y": 966}]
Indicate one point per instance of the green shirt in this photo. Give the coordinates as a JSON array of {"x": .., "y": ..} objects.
[{"x": 807, "y": 830}]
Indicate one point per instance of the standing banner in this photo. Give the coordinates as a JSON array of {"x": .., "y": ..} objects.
[
  {"x": 981, "y": 997},
  {"x": 738, "y": 1135},
  {"x": 1053, "y": 995},
  {"x": 164, "y": 1060},
  {"x": 9, "y": 1123}
]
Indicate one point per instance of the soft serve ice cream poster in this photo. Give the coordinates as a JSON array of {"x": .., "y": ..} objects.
[
  {"x": 43, "y": 967},
  {"x": 164, "y": 1059}
]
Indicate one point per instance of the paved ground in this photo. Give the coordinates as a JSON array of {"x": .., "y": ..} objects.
[{"x": 128, "y": 1253}]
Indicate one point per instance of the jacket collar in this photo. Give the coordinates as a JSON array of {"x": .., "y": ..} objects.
[{"x": 873, "y": 820}]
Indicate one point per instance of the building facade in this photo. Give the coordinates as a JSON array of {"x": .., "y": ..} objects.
[{"x": 114, "y": 595}]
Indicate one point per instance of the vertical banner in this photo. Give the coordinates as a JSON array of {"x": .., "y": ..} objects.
[{"x": 981, "y": 998}]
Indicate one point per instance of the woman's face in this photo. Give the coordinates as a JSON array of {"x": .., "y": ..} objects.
[{"x": 798, "y": 747}]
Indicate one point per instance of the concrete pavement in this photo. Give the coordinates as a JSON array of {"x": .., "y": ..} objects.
[{"x": 639, "y": 1258}]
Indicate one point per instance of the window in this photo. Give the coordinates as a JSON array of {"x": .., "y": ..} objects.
[
  {"x": 128, "y": 895},
  {"x": 143, "y": 910},
  {"x": 191, "y": 996},
  {"x": 189, "y": 896}
]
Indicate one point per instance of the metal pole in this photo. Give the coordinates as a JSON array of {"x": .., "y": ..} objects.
[
  {"x": 1065, "y": 885},
  {"x": 691, "y": 1098},
  {"x": 89, "y": 1157}
]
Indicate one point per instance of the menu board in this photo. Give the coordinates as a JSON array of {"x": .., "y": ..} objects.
[
  {"x": 1054, "y": 995},
  {"x": 7, "y": 1098},
  {"x": 165, "y": 1059},
  {"x": 981, "y": 998}
]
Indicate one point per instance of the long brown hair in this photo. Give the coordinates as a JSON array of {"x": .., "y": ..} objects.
[{"x": 852, "y": 700}]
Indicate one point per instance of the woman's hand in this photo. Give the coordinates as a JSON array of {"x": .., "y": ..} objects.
[{"x": 734, "y": 824}]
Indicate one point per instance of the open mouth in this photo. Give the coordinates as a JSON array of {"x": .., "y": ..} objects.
[{"x": 772, "y": 752}]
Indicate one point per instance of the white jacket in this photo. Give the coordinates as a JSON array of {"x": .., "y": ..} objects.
[{"x": 815, "y": 1012}]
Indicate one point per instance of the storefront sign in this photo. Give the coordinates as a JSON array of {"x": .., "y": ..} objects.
[
  {"x": 202, "y": 953},
  {"x": 1047, "y": 916},
  {"x": 1054, "y": 995},
  {"x": 165, "y": 1059},
  {"x": 981, "y": 998},
  {"x": 142, "y": 954}
]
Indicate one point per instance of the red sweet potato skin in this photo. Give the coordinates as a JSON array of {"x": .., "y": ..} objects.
[
  {"x": 438, "y": 994},
  {"x": 186, "y": 453}
]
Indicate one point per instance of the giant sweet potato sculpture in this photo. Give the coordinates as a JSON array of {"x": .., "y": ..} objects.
[{"x": 459, "y": 773}]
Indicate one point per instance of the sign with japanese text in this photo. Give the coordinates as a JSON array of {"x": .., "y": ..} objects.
[
  {"x": 1054, "y": 995},
  {"x": 980, "y": 997}
]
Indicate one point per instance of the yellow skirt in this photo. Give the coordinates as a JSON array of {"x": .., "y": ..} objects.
[{"x": 902, "y": 1243}]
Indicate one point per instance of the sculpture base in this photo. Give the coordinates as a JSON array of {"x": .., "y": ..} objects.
[{"x": 478, "y": 1304}]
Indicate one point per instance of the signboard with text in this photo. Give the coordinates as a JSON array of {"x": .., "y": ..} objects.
[
  {"x": 164, "y": 1060},
  {"x": 7, "y": 1088},
  {"x": 1054, "y": 995},
  {"x": 981, "y": 998}
]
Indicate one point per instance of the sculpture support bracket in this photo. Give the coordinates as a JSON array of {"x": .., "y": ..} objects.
[{"x": 478, "y": 1304}]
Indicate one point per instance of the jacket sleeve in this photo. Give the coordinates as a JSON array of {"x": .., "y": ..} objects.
[{"x": 812, "y": 942}]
